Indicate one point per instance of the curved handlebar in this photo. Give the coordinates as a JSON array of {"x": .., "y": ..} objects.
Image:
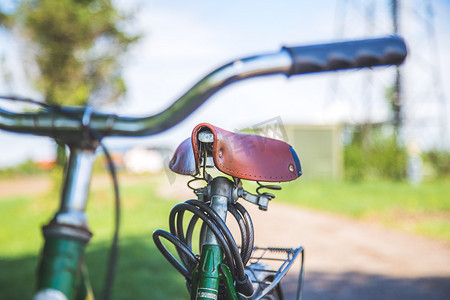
[{"x": 67, "y": 122}]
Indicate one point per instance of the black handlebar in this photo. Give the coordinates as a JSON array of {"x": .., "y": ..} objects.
[
  {"x": 347, "y": 55},
  {"x": 71, "y": 123}
]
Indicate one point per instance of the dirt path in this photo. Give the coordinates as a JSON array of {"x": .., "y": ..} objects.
[
  {"x": 346, "y": 259},
  {"x": 39, "y": 185},
  {"x": 34, "y": 185}
]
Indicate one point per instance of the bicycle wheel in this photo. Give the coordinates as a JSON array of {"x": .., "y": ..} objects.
[
  {"x": 261, "y": 275},
  {"x": 275, "y": 294}
]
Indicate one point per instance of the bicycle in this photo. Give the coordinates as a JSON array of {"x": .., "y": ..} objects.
[{"x": 220, "y": 271}]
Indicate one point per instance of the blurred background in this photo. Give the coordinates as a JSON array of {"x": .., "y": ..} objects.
[
  {"x": 374, "y": 144},
  {"x": 181, "y": 42}
]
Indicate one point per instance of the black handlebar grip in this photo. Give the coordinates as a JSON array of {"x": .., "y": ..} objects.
[{"x": 389, "y": 50}]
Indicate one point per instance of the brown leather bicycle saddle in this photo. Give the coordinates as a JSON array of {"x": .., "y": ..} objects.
[{"x": 240, "y": 155}]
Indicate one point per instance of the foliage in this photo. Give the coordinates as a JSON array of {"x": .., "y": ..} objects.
[
  {"x": 26, "y": 168},
  {"x": 374, "y": 152},
  {"x": 439, "y": 161},
  {"x": 3, "y": 18},
  {"x": 423, "y": 209},
  {"x": 77, "y": 46}
]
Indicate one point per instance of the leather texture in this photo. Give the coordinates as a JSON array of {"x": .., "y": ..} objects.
[{"x": 240, "y": 155}]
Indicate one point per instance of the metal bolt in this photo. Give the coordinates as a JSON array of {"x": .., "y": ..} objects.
[
  {"x": 220, "y": 153},
  {"x": 291, "y": 168}
]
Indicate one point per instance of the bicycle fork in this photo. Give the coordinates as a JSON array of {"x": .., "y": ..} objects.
[{"x": 61, "y": 272}]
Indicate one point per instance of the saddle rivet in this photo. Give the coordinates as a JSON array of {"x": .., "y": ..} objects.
[
  {"x": 220, "y": 153},
  {"x": 291, "y": 168}
]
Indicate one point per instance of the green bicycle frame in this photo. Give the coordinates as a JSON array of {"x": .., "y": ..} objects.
[
  {"x": 210, "y": 272},
  {"x": 62, "y": 269}
]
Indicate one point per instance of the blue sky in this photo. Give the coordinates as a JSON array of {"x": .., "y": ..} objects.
[{"x": 184, "y": 40}]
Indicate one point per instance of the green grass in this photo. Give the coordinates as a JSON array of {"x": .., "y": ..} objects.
[
  {"x": 142, "y": 272},
  {"x": 423, "y": 209}
]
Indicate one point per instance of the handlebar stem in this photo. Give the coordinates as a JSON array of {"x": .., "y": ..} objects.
[{"x": 76, "y": 188}]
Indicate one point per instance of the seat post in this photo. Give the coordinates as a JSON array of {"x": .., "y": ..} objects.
[
  {"x": 221, "y": 193},
  {"x": 211, "y": 257}
]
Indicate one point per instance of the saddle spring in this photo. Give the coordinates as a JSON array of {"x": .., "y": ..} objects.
[
  {"x": 204, "y": 175},
  {"x": 267, "y": 186}
]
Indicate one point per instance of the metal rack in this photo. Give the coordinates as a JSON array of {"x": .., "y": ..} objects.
[{"x": 265, "y": 278}]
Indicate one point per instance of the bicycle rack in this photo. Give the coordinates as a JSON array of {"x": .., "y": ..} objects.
[{"x": 264, "y": 277}]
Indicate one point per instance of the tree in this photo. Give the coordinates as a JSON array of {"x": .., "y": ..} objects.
[
  {"x": 77, "y": 47},
  {"x": 374, "y": 150}
]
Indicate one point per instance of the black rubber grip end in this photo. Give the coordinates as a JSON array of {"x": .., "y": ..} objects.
[{"x": 384, "y": 51}]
